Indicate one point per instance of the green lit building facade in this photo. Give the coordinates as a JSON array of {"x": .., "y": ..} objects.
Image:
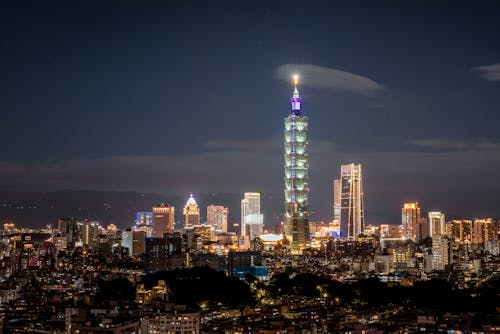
[{"x": 296, "y": 225}]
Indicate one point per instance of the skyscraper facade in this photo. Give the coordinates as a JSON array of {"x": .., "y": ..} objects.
[
  {"x": 410, "y": 216},
  {"x": 461, "y": 230},
  {"x": 90, "y": 233},
  {"x": 217, "y": 217},
  {"x": 422, "y": 229},
  {"x": 191, "y": 212},
  {"x": 436, "y": 224},
  {"x": 337, "y": 191},
  {"x": 143, "y": 218},
  {"x": 483, "y": 230},
  {"x": 250, "y": 203},
  {"x": 156, "y": 255},
  {"x": 163, "y": 220},
  {"x": 68, "y": 228},
  {"x": 126, "y": 241},
  {"x": 138, "y": 242},
  {"x": 352, "y": 213},
  {"x": 296, "y": 227},
  {"x": 251, "y": 218},
  {"x": 144, "y": 222},
  {"x": 440, "y": 252}
]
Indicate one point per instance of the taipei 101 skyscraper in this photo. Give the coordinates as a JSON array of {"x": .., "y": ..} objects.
[{"x": 296, "y": 228}]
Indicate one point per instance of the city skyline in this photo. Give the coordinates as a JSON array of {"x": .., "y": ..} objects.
[
  {"x": 108, "y": 104},
  {"x": 239, "y": 167}
]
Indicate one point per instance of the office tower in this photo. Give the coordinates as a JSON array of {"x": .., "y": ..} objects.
[
  {"x": 484, "y": 230},
  {"x": 410, "y": 216},
  {"x": 436, "y": 224},
  {"x": 255, "y": 225},
  {"x": 206, "y": 233},
  {"x": 156, "y": 255},
  {"x": 440, "y": 252},
  {"x": 68, "y": 228},
  {"x": 143, "y": 218},
  {"x": 105, "y": 248},
  {"x": 402, "y": 252},
  {"x": 352, "y": 219},
  {"x": 422, "y": 229},
  {"x": 392, "y": 231},
  {"x": 461, "y": 230},
  {"x": 191, "y": 212},
  {"x": 296, "y": 227},
  {"x": 217, "y": 217},
  {"x": 177, "y": 257},
  {"x": 163, "y": 220},
  {"x": 90, "y": 233},
  {"x": 337, "y": 191},
  {"x": 138, "y": 242},
  {"x": 144, "y": 222},
  {"x": 127, "y": 241},
  {"x": 250, "y": 211}
]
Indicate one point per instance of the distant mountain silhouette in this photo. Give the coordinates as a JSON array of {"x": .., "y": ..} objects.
[{"x": 36, "y": 209}]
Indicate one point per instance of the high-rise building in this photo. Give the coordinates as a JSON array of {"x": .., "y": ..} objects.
[
  {"x": 144, "y": 222},
  {"x": 484, "y": 230},
  {"x": 156, "y": 255},
  {"x": 206, "y": 233},
  {"x": 461, "y": 230},
  {"x": 440, "y": 252},
  {"x": 422, "y": 229},
  {"x": 254, "y": 223},
  {"x": 217, "y": 217},
  {"x": 337, "y": 192},
  {"x": 352, "y": 216},
  {"x": 402, "y": 252},
  {"x": 143, "y": 218},
  {"x": 296, "y": 227},
  {"x": 68, "y": 228},
  {"x": 410, "y": 216},
  {"x": 163, "y": 220},
  {"x": 138, "y": 242},
  {"x": 90, "y": 233},
  {"x": 191, "y": 212},
  {"x": 127, "y": 241},
  {"x": 436, "y": 224},
  {"x": 390, "y": 231},
  {"x": 250, "y": 212}
]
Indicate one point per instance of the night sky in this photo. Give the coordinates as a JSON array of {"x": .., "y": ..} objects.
[{"x": 173, "y": 97}]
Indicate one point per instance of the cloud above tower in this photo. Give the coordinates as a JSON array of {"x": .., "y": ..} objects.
[
  {"x": 489, "y": 72},
  {"x": 329, "y": 78}
]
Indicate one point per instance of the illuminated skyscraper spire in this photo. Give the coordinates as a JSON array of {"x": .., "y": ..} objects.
[
  {"x": 191, "y": 212},
  {"x": 296, "y": 100},
  {"x": 296, "y": 227}
]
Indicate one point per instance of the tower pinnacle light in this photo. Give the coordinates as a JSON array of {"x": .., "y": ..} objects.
[{"x": 296, "y": 100}]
